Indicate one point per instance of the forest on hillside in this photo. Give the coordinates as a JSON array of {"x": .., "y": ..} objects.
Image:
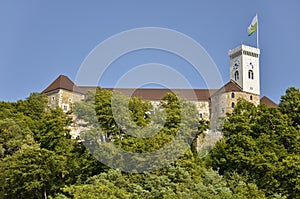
[{"x": 258, "y": 156}]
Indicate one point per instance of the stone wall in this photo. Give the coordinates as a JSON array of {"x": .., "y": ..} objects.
[
  {"x": 63, "y": 99},
  {"x": 222, "y": 103},
  {"x": 203, "y": 108}
]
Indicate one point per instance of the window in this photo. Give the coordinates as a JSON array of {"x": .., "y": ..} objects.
[
  {"x": 236, "y": 75},
  {"x": 250, "y": 74},
  {"x": 223, "y": 111},
  {"x": 70, "y": 100},
  {"x": 250, "y": 97},
  {"x": 65, "y": 108},
  {"x": 53, "y": 98},
  {"x": 232, "y": 95},
  {"x": 232, "y": 105},
  {"x": 200, "y": 115}
]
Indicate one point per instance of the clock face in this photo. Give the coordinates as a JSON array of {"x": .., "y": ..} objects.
[{"x": 236, "y": 64}]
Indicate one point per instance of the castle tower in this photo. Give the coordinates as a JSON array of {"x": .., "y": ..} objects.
[{"x": 244, "y": 68}]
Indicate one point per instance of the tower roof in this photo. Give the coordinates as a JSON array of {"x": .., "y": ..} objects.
[
  {"x": 62, "y": 82},
  {"x": 229, "y": 87},
  {"x": 265, "y": 100}
]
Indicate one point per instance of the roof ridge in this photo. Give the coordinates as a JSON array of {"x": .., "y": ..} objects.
[
  {"x": 61, "y": 82},
  {"x": 267, "y": 101},
  {"x": 229, "y": 86}
]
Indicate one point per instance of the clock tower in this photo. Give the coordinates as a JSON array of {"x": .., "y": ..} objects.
[{"x": 244, "y": 68}]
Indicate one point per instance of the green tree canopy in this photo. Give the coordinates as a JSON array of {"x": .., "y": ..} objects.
[
  {"x": 290, "y": 104},
  {"x": 258, "y": 142}
]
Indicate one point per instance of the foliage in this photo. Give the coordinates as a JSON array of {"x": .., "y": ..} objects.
[
  {"x": 13, "y": 135},
  {"x": 258, "y": 144},
  {"x": 290, "y": 105},
  {"x": 38, "y": 156},
  {"x": 31, "y": 172},
  {"x": 257, "y": 158},
  {"x": 135, "y": 126},
  {"x": 174, "y": 181}
]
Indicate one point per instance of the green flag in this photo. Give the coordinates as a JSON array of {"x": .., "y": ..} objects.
[{"x": 253, "y": 26}]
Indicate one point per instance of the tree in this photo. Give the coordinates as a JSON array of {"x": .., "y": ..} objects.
[
  {"x": 13, "y": 135},
  {"x": 37, "y": 154},
  {"x": 257, "y": 141},
  {"x": 85, "y": 111},
  {"x": 53, "y": 132},
  {"x": 31, "y": 172},
  {"x": 106, "y": 185},
  {"x": 175, "y": 181},
  {"x": 290, "y": 105},
  {"x": 34, "y": 105}
]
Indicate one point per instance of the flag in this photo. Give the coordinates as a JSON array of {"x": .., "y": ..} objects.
[{"x": 253, "y": 26}]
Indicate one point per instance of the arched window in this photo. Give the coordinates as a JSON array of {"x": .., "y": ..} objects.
[
  {"x": 232, "y": 95},
  {"x": 232, "y": 105},
  {"x": 200, "y": 115},
  {"x": 251, "y": 97},
  {"x": 250, "y": 74},
  {"x": 236, "y": 75}
]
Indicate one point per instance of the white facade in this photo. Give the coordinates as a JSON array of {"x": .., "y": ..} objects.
[{"x": 244, "y": 68}]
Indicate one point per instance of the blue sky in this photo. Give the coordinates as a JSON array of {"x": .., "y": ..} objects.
[{"x": 40, "y": 40}]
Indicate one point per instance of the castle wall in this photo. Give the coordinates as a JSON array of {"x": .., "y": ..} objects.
[
  {"x": 53, "y": 98},
  {"x": 222, "y": 103},
  {"x": 203, "y": 108},
  {"x": 63, "y": 99}
]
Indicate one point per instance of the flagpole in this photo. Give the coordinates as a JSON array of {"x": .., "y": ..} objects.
[{"x": 257, "y": 33}]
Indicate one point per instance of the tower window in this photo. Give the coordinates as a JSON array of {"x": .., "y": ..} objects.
[
  {"x": 53, "y": 98},
  {"x": 232, "y": 105},
  {"x": 65, "y": 108},
  {"x": 201, "y": 115},
  {"x": 250, "y": 97},
  {"x": 250, "y": 74},
  {"x": 236, "y": 75},
  {"x": 232, "y": 95}
]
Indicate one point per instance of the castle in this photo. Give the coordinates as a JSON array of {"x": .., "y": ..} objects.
[{"x": 211, "y": 104}]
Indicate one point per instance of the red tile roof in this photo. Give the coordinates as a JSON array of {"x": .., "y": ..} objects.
[
  {"x": 265, "y": 100},
  {"x": 229, "y": 87},
  {"x": 158, "y": 93},
  {"x": 63, "y": 82}
]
